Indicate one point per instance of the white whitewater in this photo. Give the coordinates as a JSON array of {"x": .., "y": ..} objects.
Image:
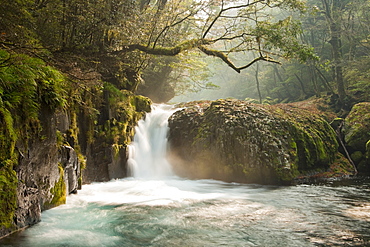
[{"x": 147, "y": 153}]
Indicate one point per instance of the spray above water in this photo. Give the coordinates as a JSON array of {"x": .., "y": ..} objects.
[{"x": 147, "y": 153}]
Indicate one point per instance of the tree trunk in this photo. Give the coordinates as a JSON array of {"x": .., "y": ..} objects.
[
  {"x": 258, "y": 83},
  {"x": 332, "y": 11}
]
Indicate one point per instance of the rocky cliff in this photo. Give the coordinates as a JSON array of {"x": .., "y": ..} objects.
[
  {"x": 42, "y": 175},
  {"x": 105, "y": 142},
  {"x": 238, "y": 141},
  {"x": 55, "y": 133}
]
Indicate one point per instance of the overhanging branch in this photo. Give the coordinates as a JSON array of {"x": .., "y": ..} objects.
[
  {"x": 192, "y": 44},
  {"x": 219, "y": 54},
  {"x": 225, "y": 58},
  {"x": 166, "y": 51}
]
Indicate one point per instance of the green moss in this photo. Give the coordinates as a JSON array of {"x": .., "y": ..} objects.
[
  {"x": 142, "y": 104},
  {"x": 129, "y": 109},
  {"x": 59, "y": 191},
  {"x": 339, "y": 168},
  {"x": 8, "y": 135},
  {"x": 357, "y": 126},
  {"x": 8, "y": 159},
  {"x": 287, "y": 173},
  {"x": 8, "y": 194},
  {"x": 312, "y": 137}
]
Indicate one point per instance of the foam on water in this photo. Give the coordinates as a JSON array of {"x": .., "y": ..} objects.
[{"x": 156, "y": 208}]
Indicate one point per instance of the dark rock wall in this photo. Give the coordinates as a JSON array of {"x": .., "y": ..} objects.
[
  {"x": 69, "y": 148},
  {"x": 41, "y": 165}
]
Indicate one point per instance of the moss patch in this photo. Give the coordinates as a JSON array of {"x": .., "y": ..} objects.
[
  {"x": 8, "y": 194},
  {"x": 357, "y": 127},
  {"x": 128, "y": 109},
  {"x": 59, "y": 191}
]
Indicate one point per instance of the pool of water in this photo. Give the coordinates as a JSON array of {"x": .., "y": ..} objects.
[{"x": 181, "y": 212}]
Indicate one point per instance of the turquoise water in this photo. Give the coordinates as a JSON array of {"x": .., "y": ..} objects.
[
  {"x": 180, "y": 212},
  {"x": 157, "y": 208}
]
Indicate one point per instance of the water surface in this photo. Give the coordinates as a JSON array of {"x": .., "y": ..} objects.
[
  {"x": 156, "y": 208},
  {"x": 180, "y": 212}
]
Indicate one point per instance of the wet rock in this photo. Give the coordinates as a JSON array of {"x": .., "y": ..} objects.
[
  {"x": 357, "y": 127},
  {"x": 238, "y": 141},
  {"x": 106, "y": 147},
  {"x": 71, "y": 167},
  {"x": 357, "y": 135},
  {"x": 46, "y": 174}
]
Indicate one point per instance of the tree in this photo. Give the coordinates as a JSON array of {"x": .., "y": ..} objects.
[
  {"x": 332, "y": 10},
  {"x": 120, "y": 38},
  {"x": 221, "y": 29}
]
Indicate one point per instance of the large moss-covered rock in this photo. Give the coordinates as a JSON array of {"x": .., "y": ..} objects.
[
  {"x": 238, "y": 141},
  {"x": 357, "y": 127},
  {"x": 357, "y": 135}
]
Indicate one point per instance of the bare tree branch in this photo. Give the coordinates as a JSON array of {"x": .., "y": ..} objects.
[
  {"x": 227, "y": 9},
  {"x": 172, "y": 25}
]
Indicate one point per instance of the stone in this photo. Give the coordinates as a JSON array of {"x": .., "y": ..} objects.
[
  {"x": 357, "y": 127},
  {"x": 357, "y": 156},
  {"x": 238, "y": 141},
  {"x": 71, "y": 167}
]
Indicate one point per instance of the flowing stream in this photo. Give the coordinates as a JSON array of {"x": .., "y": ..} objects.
[{"x": 156, "y": 208}]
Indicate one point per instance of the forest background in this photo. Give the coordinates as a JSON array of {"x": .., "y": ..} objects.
[{"x": 161, "y": 49}]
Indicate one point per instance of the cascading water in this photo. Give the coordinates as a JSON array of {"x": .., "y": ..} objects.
[
  {"x": 153, "y": 208},
  {"x": 147, "y": 154}
]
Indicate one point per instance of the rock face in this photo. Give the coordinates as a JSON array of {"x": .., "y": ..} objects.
[
  {"x": 106, "y": 148},
  {"x": 71, "y": 166},
  {"x": 53, "y": 129},
  {"x": 357, "y": 135},
  {"x": 237, "y": 141},
  {"x": 46, "y": 174}
]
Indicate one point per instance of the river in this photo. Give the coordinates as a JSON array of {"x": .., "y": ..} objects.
[{"x": 157, "y": 208}]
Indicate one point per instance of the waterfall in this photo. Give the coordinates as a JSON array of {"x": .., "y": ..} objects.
[{"x": 147, "y": 153}]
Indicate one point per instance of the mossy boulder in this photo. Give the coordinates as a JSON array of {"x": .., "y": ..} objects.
[
  {"x": 357, "y": 127},
  {"x": 357, "y": 136},
  {"x": 238, "y": 141}
]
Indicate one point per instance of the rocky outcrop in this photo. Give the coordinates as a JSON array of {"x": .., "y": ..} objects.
[
  {"x": 234, "y": 140},
  {"x": 106, "y": 148},
  {"x": 56, "y": 126},
  {"x": 45, "y": 173},
  {"x": 357, "y": 136},
  {"x": 71, "y": 166}
]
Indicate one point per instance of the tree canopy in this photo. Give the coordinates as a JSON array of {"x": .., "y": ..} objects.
[
  {"x": 221, "y": 29},
  {"x": 164, "y": 43}
]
